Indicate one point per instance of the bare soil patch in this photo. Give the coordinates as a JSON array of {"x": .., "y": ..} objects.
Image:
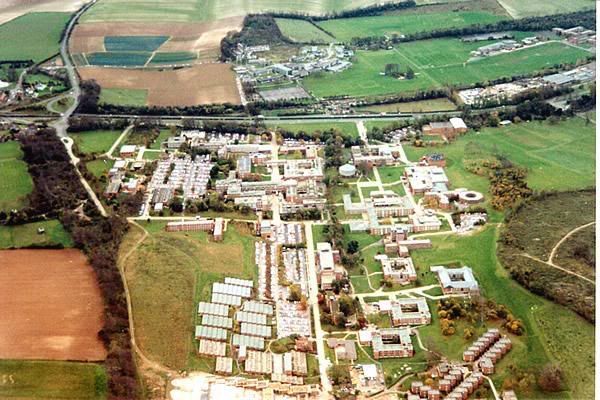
[
  {"x": 52, "y": 308},
  {"x": 10, "y": 9},
  {"x": 200, "y": 84}
]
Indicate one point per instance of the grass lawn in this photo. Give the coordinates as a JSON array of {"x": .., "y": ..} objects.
[
  {"x": 33, "y": 36},
  {"x": 13, "y": 237},
  {"x": 168, "y": 274},
  {"x": 62, "y": 105},
  {"x": 390, "y": 174},
  {"x": 361, "y": 284},
  {"x": 436, "y": 63},
  {"x": 546, "y": 324},
  {"x": 442, "y": 104},
  {"x": 346, "y": 128},
  {"x": 162, "y": 137},
  {"x": 52, "y": 380},
  {"x": 99, "y": 166},
  {"x": 345, "y": 29},
  {"x": 299, "y": 30},
  {"x": 521, "y": 9},
  {"x": 124, "y": 97},
  {"x": 15, "y": 182},
  {"x": 95, "y": 141}
]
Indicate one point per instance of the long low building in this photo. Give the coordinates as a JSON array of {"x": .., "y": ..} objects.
[
  {"x": 233, "y": 290},
  {"x": 212, "y": 348},
  {"x": 209, "y": 332},
  {"x": 257, "y": 307},
  {"x": 218, "y": 321},
  {"x": 256, "y": 330},
  {"x": 226, "y": 299},
  {"x": 213, "y": 309},
  {"x": 253, "y": 318},
  {"x": 250, "y": 342}
]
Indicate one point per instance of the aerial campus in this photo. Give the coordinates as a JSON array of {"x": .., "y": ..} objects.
[{"x": 283, "y": 200}]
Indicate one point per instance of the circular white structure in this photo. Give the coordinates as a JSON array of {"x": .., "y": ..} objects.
[
  {"x": 470, "y": 197},
  {"x": 347, "y": 170}
]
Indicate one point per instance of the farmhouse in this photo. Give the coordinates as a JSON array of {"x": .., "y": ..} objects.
[{"x": 456, "y": 280}]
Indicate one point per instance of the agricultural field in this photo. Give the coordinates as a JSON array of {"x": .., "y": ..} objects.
[
  {"x": 19, "y": 236},
  {"x": 168, "y": 274},
  {"x": 299, "y": 30},
  {"x": 15, "y": 182},
  {"x": 347, "y": 128},
  {"x": 200, "y": 84},
  {"x": 345, "y": 29},
  {"x": 33, "y": 36},
  {"x": 173, "y": 58},
  {"x": 522, "y": 9},
  {"x": 436, "y": 63},
  {"x": 95, "y": 141},
  {"x": 124, "y": 97},
  {"x": 209, "y": 10},
  {"x": 52, "y": 380},
  {"x": 11, "y": 9},
  {"x": 122, "y": 58},
  {"x": 557, "y": 156},
  {"x": 442, "y": 104},
  {"x": 80, "y": 311},
  {"x": 133, "y": 43},
  {"x": 547, "y": 325}
]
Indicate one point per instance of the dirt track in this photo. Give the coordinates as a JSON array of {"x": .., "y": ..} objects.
[
  {"x": 52, "y": 308},
  {"x": 200, "y": 84}
]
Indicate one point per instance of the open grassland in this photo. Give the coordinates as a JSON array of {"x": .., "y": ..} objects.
[
  {"x": 345, "y": 29},
  {"x": 209, "y": 10},
  {"x": 95, "y": 141},
  {"x": 18, "y": 236},
  {"x": 34, "y": 36},
  {"x": 436, "y": 63},
  {"x": 168, "y": 274},
  {"x": 577, "y": 251},
  {"x": 521, "y": 9},
  {"x": 346, "y": 128},
  {"x": 411, "y": 106},
  {"x": 65, "y": 290},
  {"x": 15, "y": 182},
  {"x": 547, "y": 325},
  {"x": 124, "y": 97},
  {"x": 299, "y": 30},
  {"x": 133, "y": 43},
  {"x": 200, "y": 84},
  {"x": 557, "y": 156},
  {"x": 52, "y": 380}
]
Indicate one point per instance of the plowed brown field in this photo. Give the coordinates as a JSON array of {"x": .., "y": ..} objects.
[
  {"x": 200, "y": 84},
  {"x": 51, "y": 306}
]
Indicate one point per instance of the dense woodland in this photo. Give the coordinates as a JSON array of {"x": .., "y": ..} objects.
[{"x": 58, "y": 192}]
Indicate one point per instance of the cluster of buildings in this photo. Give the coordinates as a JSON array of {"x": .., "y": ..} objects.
[
  {"x": 447, "y": 130},
  {"x": 195, "y": 138},
  {"x": 376, "y": 155},
  {"x": 311, "y": 59},
  {"x": 290, "y": 367},
  {"x": 456, "y": 281},
  {"x": 121, "y": 181},
  {"x": 215, "y": 226},
  {"x": 387, "y": 342},
  {"x": 179, "y": 174},
  {"x": 577, "y": 35},
  {"x": 487, "y": 350},
  {"x": 505, "y": 92},
  {"x": 456, "y": 384}
]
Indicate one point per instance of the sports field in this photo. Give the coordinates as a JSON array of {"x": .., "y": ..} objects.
[
  {"x": 168, "y": 274},
  {"x": 302, "y": 31},
  {"x": 344, "y": 29},
  {"x": 52, "y": 380},
  {"x": 95, "y": 141},
  {"x": 14, "y": 237},
  {"x": 62, "y": 323},
  {"x": 209, "y": 10},
  {"x": 436, "y": 63},
  {"x": 15, "y": 182},
  {"x": 557, "y": 157},
  {"x": 521, "y": 9},
  {"x": 34, "y": 36}
]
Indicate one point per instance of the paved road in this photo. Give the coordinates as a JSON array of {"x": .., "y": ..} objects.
[{"x": 313, "y": 300}]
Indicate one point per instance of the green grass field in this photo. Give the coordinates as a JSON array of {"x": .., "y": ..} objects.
[
  {"x": 347, "y": 128},
  {"x": 344, "y": 29},
  {"x": 557, "y": 157},
  {"x": 521, "y": 9},
  {"x": 436, "y": 63},
  {"x": 124, "y": 97},
  {"x": 411, "y": 106},
  {"x": 15, "y": 182},
  {"x": 390, "y": 174},
  {"x": 208, "y": 10},
  {"x": 14, "y": 237},
  {"x": 299, "y": 30},
  {"x": 173, "y": 58},
  {"x": 95, "y": 141},
  {"x": 547, "y": 325},
  {"x": 121, "y": 58},
  {"x": 52, "y": 380},
  {"x": 168, "y": 274},
  {"x": 33, "y": 36},
  {"x": 133, "y": 43},
  {"x": 99, "y": 166}
]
